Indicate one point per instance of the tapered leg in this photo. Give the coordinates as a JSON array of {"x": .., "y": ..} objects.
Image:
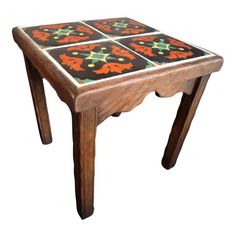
[
  {"x": 84, "y": 132},
  {"x": 39, "y": 100},
  {"x": 182, "y": 122}
]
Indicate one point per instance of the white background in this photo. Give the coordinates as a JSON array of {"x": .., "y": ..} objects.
[{"x": 134, "y": 194}]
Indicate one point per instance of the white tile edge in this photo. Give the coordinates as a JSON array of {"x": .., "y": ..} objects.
[
  {"x": 156, "y": 68},
  {"x": 53, "y": 60}
]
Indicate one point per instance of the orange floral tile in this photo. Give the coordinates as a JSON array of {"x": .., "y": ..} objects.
[
  {"x": 62, "y": 34},
  {"x": 96, "y": 61},
  {"x": 161, "y": 48},
  {"x": 120, "y": 27}
]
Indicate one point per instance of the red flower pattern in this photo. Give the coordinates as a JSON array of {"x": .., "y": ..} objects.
[
  {"x": 84, "y": 29},
  {"x": 61, "y": 34},
  {"x": 113, "y": 67},
  {"x": 120, "y": 26},
  {"x": 179, "y": 43},
  {"x": 132, "y": 31},
  {"x": 122, "y": 52},
  {"x": 106, "y": 28},
  {"x": 161, "y": 48},
  {"x": 74, "y": 63},
  {"x": 178, "y": 54},
  {"x": 143, "y": 49},
  {"x": 73, "y": 39},
  {"x": 43, "y": 36},
  {"x": 98, "y": 60}
]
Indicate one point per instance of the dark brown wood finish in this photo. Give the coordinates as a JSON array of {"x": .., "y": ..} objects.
[
  {"x": 84, "y": 132},
  {"x": 58, "y": 79},
  {"x": 185, "y": 114},
  {"x": 80, "y": 98},
  {"x": 39, "y": 100},
  {"x": 128, "y": 96},
  {"x": 91, "y": 104},
  {"x": 167, "y": 81}
]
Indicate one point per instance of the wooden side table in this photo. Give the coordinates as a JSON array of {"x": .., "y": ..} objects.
[{"x": 104, "y": 67}]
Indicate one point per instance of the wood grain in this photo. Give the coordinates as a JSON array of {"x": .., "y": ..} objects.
[
  {"x": 128, "y": 97},
  {"x": 93, "y": 103},
  {"x": 84, "y": 132},
  {"x": 144, "y": 82},
  {"x": 39, "y": 100},
  {"x": 47, "y": 68},
  {"x": 94, "y": 94},
  {"x": 185, "y": 114}
]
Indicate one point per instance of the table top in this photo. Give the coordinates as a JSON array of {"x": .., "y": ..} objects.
[{"x": 88, "y": 54}]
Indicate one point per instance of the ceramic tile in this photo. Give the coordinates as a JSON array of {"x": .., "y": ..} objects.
[
  {"x": 96, "y": 61},
  {"x": 116, "y": 27},
  {"x": 62, "y": 34},
  {"x": 162, "y": 49},
  {"x": 91, "y": 51}
]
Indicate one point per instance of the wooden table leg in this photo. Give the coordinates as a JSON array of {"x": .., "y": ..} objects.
[
  {"x": 182, "y": 122},
  {"x": 84, "y": 132},
  {"x": 39, "y": 100}
]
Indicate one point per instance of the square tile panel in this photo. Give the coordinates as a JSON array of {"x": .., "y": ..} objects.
[
  {"x": 109, "y": 47},
  {"x": 161, "y": 48},
  {"x": 62, "y": 34},
  {"x": 116, "y": 27},
  {"x": 95, "y": 61}
]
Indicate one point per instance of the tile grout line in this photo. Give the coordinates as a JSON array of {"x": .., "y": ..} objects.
[
  {"x": 114, "y": 40},
  {"x": 138, "y": 35},
  {"x": 107, "y": 39},
  {"x": 153, "y": 63},
  {"x": 99, "y": 40},
  {"x": 77, "y": 84},
  {"x": 60, "y": 67},
  {"x": 156, "y": 64},
  {"x": 119, "y": 37},
  {"x": 156, "y": 68},
  {"x": 110, "y": 38},
  {"x": 82, "y": 43},
  {"x": 95, "y": 29},
  {"x": 71, "y": 78},
  {"x": 67, "y": 74},
  {"x": 195, "y": 46},
  {"x": 75, "y": 44}
]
